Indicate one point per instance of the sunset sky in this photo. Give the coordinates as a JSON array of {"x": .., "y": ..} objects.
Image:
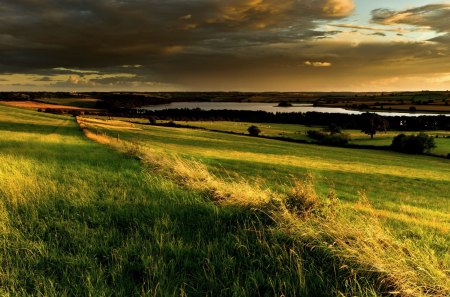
[{"x": 224, "y": 45}]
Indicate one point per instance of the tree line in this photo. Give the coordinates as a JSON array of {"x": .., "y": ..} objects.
[{"x": 367, "y": 121}]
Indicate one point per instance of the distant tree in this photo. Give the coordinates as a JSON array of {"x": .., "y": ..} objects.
[
  {"x": 152, "y": 120},
  {"x": 253, "y": 130},
  {"x": 412, "y": 108},
  {"x": 413, "y": 144},
  {"x": 373, "y": 123}
]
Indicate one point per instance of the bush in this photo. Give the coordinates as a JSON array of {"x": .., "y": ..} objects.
[
  {"x": 171, "y": 124},
  {"x": 317, "y": 135},
  {"x": 335, "y": 139},
  {"x": 338, "y": 139},
  {"x": 413, "y": 144},
  {"x": 302, "y": 200},
  {"x": 253, "y": 130}
]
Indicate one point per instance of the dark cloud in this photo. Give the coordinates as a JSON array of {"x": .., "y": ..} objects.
[
  {"x": 105, "y": 33},
  {"x": 210, "y": 44}
]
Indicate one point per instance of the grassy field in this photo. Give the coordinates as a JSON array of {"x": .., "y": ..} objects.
[
  {"x": 298, "y": 132},
  {"x": 212, "y": 214},
  {"x": 75, "y": 102},
  {"x": 79, "y": 219},
  {"x": 409, "y": 193}
]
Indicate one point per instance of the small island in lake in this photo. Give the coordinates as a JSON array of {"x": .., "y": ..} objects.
[{"x": 284, "y": 104}]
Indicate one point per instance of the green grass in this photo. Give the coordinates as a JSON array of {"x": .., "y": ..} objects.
[
  {"x": 78, "y": 218},
  {"x": 81, "y": 218},
  {"x": 272, "y": 129},
  {"x": 299, "y": 132},
  {"x": 409, "y": 192}
]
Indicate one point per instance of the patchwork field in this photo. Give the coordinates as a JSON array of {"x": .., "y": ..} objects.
[{"x": 146, "y": 210}]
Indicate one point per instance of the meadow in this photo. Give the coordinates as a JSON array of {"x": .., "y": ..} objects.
[
  {"x": 146, "y": 210},
  {"x": 401, "y": 188},
  {"x": 79, "y": 219},
  {"x": 409, "y": 195},
  {"x": 299, "y": 132}
]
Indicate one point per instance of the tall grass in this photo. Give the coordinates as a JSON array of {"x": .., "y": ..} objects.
[
  {"x": 359, "y": 252},
  {"x": 79, "y": 219}
]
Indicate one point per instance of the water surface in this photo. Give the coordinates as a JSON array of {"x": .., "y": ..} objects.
[{"x": 271, "y": 107}]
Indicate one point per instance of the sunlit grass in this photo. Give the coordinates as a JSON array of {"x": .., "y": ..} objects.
[
  {"x": 79, "y": 219},
  {"x": 360, "y": 242},
  {"x": 394, "y": 183},
  {"x": 204, "y": 214}
]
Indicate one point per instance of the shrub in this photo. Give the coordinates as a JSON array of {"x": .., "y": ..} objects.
[
  {"x": 171, "y": 124},
  {"x": 253, "y": 130},
  {"x": 317, "y": 135},
  {"x": 413, "y": 144},
  {"x": 337, "y": 139},
  {"x": 302, "y": 200}
]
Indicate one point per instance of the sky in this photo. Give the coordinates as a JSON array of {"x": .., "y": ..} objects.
[{"x": 224, "y": 45}]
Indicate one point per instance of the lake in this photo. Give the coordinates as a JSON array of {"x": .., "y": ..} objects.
[{"x": 270, "y": 107}]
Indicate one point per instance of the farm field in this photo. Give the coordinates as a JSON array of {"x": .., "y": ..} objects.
[
  {"x": 417, "y": 101},
  {"x": 83, "y": 216}
]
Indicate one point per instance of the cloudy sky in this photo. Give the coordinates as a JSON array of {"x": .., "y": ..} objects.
[{"x": 224, "y": 45}]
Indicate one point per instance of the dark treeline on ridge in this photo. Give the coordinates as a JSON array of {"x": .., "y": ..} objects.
[
  {"x": 114, "y": 99},
  {"x": 345, "y": 121}
]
